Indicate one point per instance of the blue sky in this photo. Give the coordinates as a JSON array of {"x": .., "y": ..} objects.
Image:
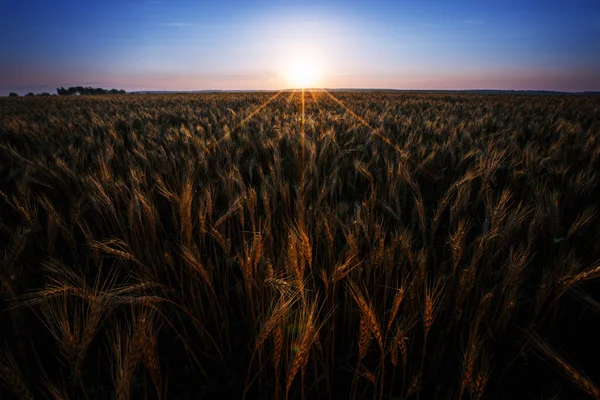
[{"x": 192, "y": 45}]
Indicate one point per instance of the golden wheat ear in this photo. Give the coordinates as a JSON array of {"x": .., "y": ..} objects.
[
  {"x": 369, "y": 318},
  {"x": 304, "y": 344}
]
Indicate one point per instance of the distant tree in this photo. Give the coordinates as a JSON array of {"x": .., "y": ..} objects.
[
  {"x": 12, "y": 94},
  {"x": 80, "y": 90},
  {"x": 30, "y": 94},
  {"x": 44, "y": 94}
]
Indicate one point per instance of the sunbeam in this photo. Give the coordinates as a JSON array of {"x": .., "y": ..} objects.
[
  {"x": 291, "y": 96},
  {"x": 251, "y": 115},
  {"x": 314, "y": 96},
  {"x": 365, "y": 123},
  {"x": 258, "y": 109}
]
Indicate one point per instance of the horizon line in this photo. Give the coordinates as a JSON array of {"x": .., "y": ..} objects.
[
  {"x": 339, "y": 89},
  {"x": 373, "y": 89}
]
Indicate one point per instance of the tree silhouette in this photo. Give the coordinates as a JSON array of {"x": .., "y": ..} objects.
[{"x": 80, "y": 90}]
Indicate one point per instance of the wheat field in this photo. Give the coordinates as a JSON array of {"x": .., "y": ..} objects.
[{"x": 303, "y": 245}]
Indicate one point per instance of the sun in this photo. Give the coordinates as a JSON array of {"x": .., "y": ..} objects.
[{"x": 303, "y": 73}]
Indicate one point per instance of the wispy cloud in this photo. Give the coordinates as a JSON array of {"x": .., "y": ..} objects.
[
  {"x": 473, "y": 22},
  {"x": 176, "y": 24}
]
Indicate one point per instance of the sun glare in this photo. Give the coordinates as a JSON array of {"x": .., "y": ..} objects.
[{"x": 303, "y": 73}]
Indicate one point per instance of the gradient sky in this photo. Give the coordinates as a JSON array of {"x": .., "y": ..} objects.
[{"x": 194, "y": 45}]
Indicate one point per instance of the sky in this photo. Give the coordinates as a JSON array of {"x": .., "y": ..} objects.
[{"x": 245, "y": 45}]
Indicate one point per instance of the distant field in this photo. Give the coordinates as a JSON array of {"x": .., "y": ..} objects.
[{"x": 301, "y": 245}]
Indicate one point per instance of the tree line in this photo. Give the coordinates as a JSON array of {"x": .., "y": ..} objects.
[
  {"x": 80, "y": 90},
  {"x": 75, "y": 91},
  {"x": 30, "y": 94}
]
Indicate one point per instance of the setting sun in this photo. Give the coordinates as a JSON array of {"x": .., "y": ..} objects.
[{"x": 303, "y": 73}]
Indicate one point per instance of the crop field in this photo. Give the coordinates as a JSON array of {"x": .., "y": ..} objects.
[{"x": 300, "y": 245}]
